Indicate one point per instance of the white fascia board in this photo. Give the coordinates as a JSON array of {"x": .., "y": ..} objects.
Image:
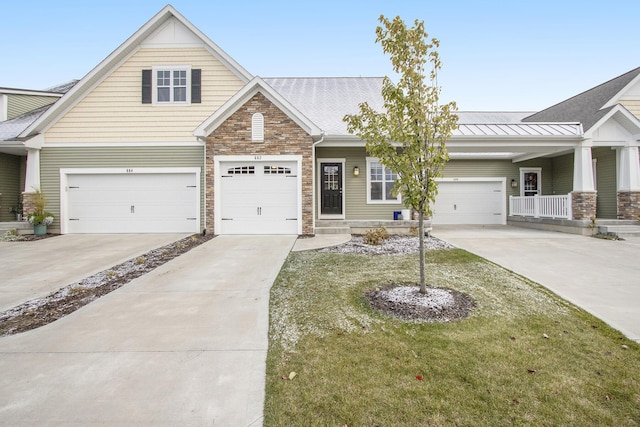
[
  {"x": 244, "y": 95},
  {"x": 634, "y": 122},
  {"x": 12, "y": 91},
  {"x": 616, "y": 98},
  {"x": 116, "y": 58},
  {"x": 125, "y": 144}
]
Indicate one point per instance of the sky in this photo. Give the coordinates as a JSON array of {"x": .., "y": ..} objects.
[{"x": 497, "y": 55}]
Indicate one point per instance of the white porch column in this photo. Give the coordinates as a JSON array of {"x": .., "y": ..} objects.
[
  {"x": 628, "y": 169},
  {"x": 583, "y": 169},
  {"x": 32, "y": 179}
]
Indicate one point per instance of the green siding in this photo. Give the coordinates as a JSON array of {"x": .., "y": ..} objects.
[
  {"x": 20, "y": 104},
  {"x": 562, "y": 172},
  {"x": 10, "y": 191},
  {"x": 355, "y": 189},
  {"x": 606, "y": 183},
  {"x": 53, "y": 159}
]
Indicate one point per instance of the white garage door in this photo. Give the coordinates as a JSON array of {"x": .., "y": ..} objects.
[
  {"x": 132, "y": 203},
  {"x": 469, "y": 202},
  {"x": 258, "y": 198}
]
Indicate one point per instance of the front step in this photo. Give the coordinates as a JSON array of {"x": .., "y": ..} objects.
[
  {"x": 22, "y": 227},
  {"x": 333, "y": 230},
  {"x": 621, "y": 228}
]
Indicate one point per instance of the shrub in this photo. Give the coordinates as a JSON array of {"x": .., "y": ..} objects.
[{"x": 376, "y": 236}]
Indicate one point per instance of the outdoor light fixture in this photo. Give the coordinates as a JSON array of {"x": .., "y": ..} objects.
[
  {"x": 356, "y": 171},
  {"x": 514, "y": 183}
]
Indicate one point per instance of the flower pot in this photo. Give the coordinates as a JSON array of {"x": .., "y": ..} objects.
[{"x": 39, "y": 229}]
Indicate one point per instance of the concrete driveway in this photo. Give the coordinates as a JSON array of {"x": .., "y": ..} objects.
[
  {"x": 30, "y": 270},
  {"x": 600, "y": 276},
  {"x": 183, "y": 345}
]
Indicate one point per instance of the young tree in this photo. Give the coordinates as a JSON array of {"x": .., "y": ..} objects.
[{"x": 409, "y": 135}]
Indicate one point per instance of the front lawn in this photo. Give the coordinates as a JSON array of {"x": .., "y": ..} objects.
[{"x": 523, "y": 357}]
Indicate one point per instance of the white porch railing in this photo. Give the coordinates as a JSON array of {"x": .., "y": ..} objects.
[{"x": 541, "y": 206}]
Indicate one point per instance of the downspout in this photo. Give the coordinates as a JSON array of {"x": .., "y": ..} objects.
[
  {"x": 204, "y": 179},
  {"x": 314, "y": 183}
]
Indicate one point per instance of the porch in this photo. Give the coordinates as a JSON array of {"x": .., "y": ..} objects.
[{"x": 555, "y": 213}]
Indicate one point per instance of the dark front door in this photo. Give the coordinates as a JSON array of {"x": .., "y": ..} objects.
[{"x": 331, "y": 191}]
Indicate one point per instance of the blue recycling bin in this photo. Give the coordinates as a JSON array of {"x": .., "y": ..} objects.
[{"x": 396, "y": 215}]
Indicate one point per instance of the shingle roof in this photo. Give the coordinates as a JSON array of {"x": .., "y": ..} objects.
[
  {"x": 586, "y": 107},
  {"x": 10, "y": 129}
]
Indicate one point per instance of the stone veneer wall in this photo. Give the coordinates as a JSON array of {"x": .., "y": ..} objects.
[
  {"x": 629, "y": 205},
  {"x": 583, "y": 205},
  {"x": 282, "y": 136},
  {"x": 28, "y": 204}
]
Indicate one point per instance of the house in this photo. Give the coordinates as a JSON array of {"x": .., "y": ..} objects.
[
  {"x": 18, "y": 108},
  {"x": 170, "y": 134}
]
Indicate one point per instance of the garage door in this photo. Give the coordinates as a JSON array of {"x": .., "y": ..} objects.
[
  {"x": 258, "y": 198},
  {"x": 132, "y": 203},
  {"x": 469, "y": 202}
]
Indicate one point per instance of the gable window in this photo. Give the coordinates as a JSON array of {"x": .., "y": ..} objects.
[
  {"x": 380, "y": 182},
  {"x": 170, "y": 85}
]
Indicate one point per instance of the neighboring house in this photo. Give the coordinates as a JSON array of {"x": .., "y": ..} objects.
[
  {"x": 170, "y": 134},
  {"x": 18, "y": 109}
]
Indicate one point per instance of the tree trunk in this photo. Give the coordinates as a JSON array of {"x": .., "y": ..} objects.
[{"x": 423, "y": 284}]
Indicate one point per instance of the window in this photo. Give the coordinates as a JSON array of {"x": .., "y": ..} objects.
[
  {"x": 277, "y": 170},
  {"x": 171, "y": 85},
  {"x": 381, "y": 182},
  {"x": 242, "y": 170}
]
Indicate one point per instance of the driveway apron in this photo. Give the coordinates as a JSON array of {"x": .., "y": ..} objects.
[
  {"x": 184, "y": 345},
  {"x": 600, "y": 276}
]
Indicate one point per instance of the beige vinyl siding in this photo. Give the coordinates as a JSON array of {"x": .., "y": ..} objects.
[
  {"x": 113, "y": 110},
  {"x": 53, "y": 159},
  {"x": 355, "y": 188},
  {"x": 632, "y": 105},
  {"x": 20, "y": 104},
  {"x": 606, "y": 183},
  {"x": 562, "y": 172},
  {"x": 9, "y": 185}
]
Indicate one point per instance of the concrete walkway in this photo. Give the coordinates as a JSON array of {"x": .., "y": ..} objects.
[
  {"x": 183, "y": 345},
  {"x": 600, "y": 276}
]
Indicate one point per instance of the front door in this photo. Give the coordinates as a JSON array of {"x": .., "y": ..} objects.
[
  {"x": 331, "y": 188},
  {"x": 531, "y": 184}
]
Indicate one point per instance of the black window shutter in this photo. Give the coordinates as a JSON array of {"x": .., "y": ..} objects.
[
  {"x": 146, "y": 86},
  {"x": 196, "y": 86}
]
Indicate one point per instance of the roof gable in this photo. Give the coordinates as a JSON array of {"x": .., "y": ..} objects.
[
  {"x": 245, "y": 94},
  {"x": 588, "y": 107},
  {"x": 167, "y": 27}
]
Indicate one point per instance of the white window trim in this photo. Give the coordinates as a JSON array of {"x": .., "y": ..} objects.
[
  {"x": 154, "y": 84},
  {"x": 398, "y": 201},
  {"x": 525, "y": 170}
]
